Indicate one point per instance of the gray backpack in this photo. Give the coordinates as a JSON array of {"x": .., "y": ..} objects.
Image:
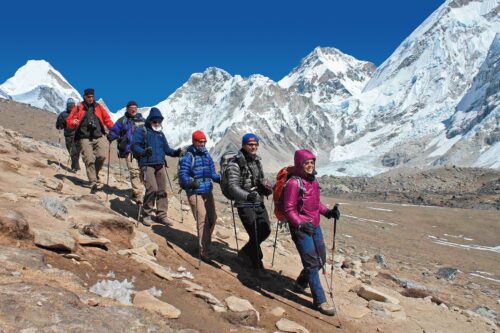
[{"x": 228, "y": 157}]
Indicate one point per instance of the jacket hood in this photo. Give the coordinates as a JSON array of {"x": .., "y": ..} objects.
[
  {"x": 154, "y": 113},
  {"x": 300, "y": 157}
]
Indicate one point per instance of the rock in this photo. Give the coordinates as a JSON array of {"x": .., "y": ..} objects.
[
  {"x": 243, "y": 236},
  {"x": 242, "y": 318},
  {"x": 55, "y": 207},
  {"x": 72, "y": 256},
  {"x": 54, "y": 240},
  {"x": 49, "y": 183},
  {"x": 409, "y": 284},
  {"x": 277, "y": 311},
  {"x": 140, "y": 239},
  {"x": 209, "y": 298},
  {"x": 236, "y": 304},
  {"x": 145, "y": 300},
  {"x": 186, "y": 208},
  {"x": 365, "y": 259},
  {"x": 447, "y": 273},
  {"x": 338, "y": 259},
  {"x": 85, "y": 240},
  {"x": 17, "y": 258},
  {"x": 370, "y": 293},
  {"x": 387, "y": 310},
  {"x": 380, "y": 259},
  {"x": 287, "y": 325},
  {"x": 14, "y": 225},
  {"x": 72, "y": 314},
  {"x": 156, "y": 268},
  {"x": 370, "y": 274},
  {"x": 486, "y": 312},
  {"x": 9, "y": 196},
  {"x": 191, "y": 286},
  {"x": 223, "y": 233},
  {"x": 355, "y": 311}
]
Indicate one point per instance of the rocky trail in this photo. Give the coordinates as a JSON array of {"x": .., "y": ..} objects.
[{"x": 73, "y": 262}]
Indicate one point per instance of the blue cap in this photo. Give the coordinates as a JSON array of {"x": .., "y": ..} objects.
[{"x": 249, "y": 137}]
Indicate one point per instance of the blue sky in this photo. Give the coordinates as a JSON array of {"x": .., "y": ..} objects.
[{"x": 144, "y": 50}]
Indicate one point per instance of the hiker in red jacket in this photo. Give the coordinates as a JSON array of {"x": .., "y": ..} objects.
[
  {"x": 303, "y": 208},
  {"x": 89, "y": 119}
]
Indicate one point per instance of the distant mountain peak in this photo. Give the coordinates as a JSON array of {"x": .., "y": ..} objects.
[{"x": 39, "y": 84}]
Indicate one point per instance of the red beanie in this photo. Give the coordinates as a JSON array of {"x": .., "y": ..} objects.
[{"x": 198, "y": 136}]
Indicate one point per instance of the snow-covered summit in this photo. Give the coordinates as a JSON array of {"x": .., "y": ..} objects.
[
  {"x": 37, "y": 83},
  {"x": 328, "y": 76}
]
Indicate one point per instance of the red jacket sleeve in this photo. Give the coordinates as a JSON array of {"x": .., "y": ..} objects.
[
  {"x": 105, "y": 118},
  {"x": 72, "y": 116}
]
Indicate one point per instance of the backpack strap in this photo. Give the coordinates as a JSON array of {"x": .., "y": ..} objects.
[{"x": 301, "y": 190}]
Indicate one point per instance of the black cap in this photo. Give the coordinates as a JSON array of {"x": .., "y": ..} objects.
[
  {"x": 130, "y": 103},
  {"x": 88, "y": 91}
]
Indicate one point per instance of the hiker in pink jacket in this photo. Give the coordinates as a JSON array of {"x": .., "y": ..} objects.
[{"x": 303, "y": 208}]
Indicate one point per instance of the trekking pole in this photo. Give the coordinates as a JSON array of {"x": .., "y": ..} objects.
[
  {"x": 198, "y": 231},
  {"x": 140, "y": 205},
  {"x": 256, "y": 237},
  {"x": 329, "y": 286},
  {"x": 58, "y": 158},
  {"x": 182, "y": 215},
  {"x": 333, "y": 247},
  {"x": 120, "y": 166},
  {"x": 275, "y": 236},
  {"x": 234, "y": 225},
  {"x": 109, "y": 162},
  {"x": 168, "y": 177}
]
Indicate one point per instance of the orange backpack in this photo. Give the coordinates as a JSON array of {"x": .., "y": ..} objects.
[{"x": 282, "y": 178}]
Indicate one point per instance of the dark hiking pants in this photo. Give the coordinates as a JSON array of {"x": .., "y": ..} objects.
[{"x": 249, "y": 216}]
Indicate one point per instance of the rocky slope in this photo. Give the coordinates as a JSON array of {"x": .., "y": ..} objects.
[{"x": 68, "y": 257}]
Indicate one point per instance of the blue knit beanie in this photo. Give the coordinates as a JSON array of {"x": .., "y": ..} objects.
[
  {"x": 70, "y": 101},
  {"x": 249, "y": 137}
]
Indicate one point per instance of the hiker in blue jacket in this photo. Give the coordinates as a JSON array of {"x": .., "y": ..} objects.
[
  {"x": 123, "y": 132},
  {"x": 151, "y": 146},
  {"x": 196, "y": 175}
]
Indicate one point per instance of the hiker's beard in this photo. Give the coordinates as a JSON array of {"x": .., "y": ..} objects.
[{"x": 156, "y": 128}]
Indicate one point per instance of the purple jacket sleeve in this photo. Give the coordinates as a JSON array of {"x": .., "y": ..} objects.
[
  {"x": 290, "y": 202},
  {"x": 322, "y": 209}
]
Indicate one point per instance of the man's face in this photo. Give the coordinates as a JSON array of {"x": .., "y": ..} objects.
[
  {"x": 251, "y": 147},
  {"x": 132, "y": 110},
  {"x": 89, "y": 99},
  {"x": 70, "y": 107},
  {"x": 200, "y": 144}
]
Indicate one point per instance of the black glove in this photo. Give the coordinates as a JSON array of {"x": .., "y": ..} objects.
[
  {"x": 253, "y": 197},
  {"x": 178, "y": 152},
  {"x": 266, "y": 188},
  {"x": 307, "y": 228},
  {"x": 148, "y": 151},
  {"x": 333, "y": 213},
  {"x": 109, "y": 137},
  {"x": 193, "y": 184}
]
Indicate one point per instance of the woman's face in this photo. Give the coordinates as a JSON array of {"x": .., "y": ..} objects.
[{"x": 308, "y": 166}]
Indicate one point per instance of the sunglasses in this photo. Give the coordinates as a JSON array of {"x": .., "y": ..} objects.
[
  {"x": 202, "y": 141},
  {"x": 252, "y": 144},
  {"x": 309, "y": 162}
]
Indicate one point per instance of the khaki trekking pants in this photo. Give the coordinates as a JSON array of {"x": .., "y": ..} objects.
[
  {"x": 94, "y": 155},
  {"x": 206, "y": 215},
  {"x": 135, "y": 176},
  {"x": 155, "y": 180}
]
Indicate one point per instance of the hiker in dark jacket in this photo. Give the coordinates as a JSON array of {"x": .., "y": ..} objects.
[
  {"x": 247, "y": 185},
  {"x": 69, "y": 135},
  {"x": 150, "y": 144},
  {"x": 123, "y": 131},
  {"x": 197, "y": 174},
  {"x": 303, "y": 209}
]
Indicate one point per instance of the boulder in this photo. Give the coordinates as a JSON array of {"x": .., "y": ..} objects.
[
  {"x": 14, "y": 225},
  {"x": 85, "y": 240},
  {"x": 277, "y": 311},
  {"x": 249, "y": 314},
  {"x": 145, "y": 300},
  {"x": 286, "y": 325},
  {"x": 156, "y": 268},
  {"x": 447, "y": 273},
  {"x": 55, "y": 207},
  {"x": 370, "y": 293},
  {"x": 54, "y": 240},
  {"x": 210, "y": 299},
  {"x": 191, "y": 286}
]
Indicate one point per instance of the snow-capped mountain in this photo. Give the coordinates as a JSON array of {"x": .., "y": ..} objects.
[
  {"x": 225, "y": 107},
  {"x": 37, "y": 83},
  {"x": 404, "y": 111},
  {"x": 328, "y": 76}
]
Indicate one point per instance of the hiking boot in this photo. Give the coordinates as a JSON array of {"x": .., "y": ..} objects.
[
  {"x": 94, "y": 187},
  {"x": 326, "y": 309},
  {"x": 164, "y": 220},
  {"x": 147, "y": 221}
]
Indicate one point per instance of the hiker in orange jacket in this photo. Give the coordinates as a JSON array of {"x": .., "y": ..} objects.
[{"x": 89, "y": 119}]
